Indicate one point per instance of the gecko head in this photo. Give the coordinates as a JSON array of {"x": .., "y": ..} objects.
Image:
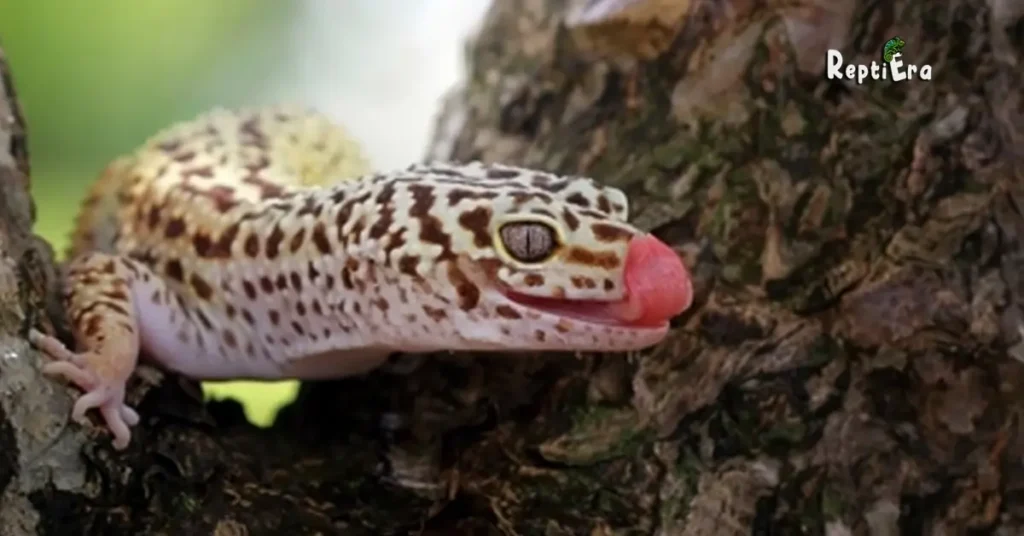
[{"x": 557, "y": 267}]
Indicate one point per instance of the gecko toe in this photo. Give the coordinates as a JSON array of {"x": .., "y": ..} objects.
[
  {"x": 91, "y": 399},
  {"x": 52, "y": 346},
  {"x": 129, "y": 415},
  {"x": 117, "y": 416},
  {"x": 113, "y": 414},
  {"x": 80, "y": 376}
]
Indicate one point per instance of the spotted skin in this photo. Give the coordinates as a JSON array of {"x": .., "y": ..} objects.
[{"x": 240, "y": 245}]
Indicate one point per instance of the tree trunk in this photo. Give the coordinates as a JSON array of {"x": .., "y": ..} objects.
[{"x": 852, "y": 363}]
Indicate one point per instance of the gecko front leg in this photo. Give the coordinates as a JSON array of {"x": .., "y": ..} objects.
[{"x": 101, "y": 307}]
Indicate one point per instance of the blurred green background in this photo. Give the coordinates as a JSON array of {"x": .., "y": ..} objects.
[{"x": 97, "y": 77}]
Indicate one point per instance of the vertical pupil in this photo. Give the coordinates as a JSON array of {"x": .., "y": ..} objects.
[{"x": 528, "y": 242}]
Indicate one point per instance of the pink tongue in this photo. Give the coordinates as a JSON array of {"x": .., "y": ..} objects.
[{"x": 657, "y": 283}]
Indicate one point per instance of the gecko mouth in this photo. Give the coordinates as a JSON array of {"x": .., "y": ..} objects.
[
  {"x": 625, "y": 313},
  {"x": 657, "y": 285}
]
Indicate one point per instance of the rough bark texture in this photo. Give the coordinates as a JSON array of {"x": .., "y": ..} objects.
[{"x": 852, "y": 364}]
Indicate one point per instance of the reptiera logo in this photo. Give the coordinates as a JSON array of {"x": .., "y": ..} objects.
[{"x": 891, "y": 67}]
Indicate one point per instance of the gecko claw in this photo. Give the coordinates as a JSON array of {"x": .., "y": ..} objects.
[{"x": 105, "y": 395}]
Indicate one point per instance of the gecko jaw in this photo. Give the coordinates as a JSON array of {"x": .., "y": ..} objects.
[{"x": 620, "y": 314}]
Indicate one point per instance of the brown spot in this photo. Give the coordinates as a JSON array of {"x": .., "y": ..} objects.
[
  {"x": 580, "y": 281},
  {"x": 174, "y": 270},
  {"x": 313, "y": 272},
  {"x": 533, "y": 280},
  {"x": 231, "y": 311},
  {"x": 603, "y": 205},
  {"x": 606, "y": 259},
  {"x": 456, "y": 196},
  {"x": 606, "y": 232},
  {"x": 155, "y": 298},
  {"x": 469, "y": 294},
  {"x": 297, "y": 239},
  {"x": 274, "y": 242},
  {"x": 201, "y": 243},
  {"x": 316, "y": 307},
  {"x": 570, "y": 219},
  {"x": 249, "y": 319},
  {"x": 203, "y": 289},
  {"x": 407, "y": 265},
  {"x": 434, "y": 313},
  {"x": 154, "y": 217},
  {"x": 281, "y": 282},
  {"x": 357, "y": 228},
  {"x": 395, "y": 241},
  {"x": 329, "y": 281},
  {"x": 300, "y": 309},
  {"x": 351, "y": 265},
  {"x": 381, "y": 304},
  {"x": 229, "y": 339},
  {"x": 477, "y": 222},
  {"x": 249, "y": 288},
  {"x": 540, "y": 335},
  {"x": 563, "y": 326},
  {"x": 223, "y": 198},
  {"x": 431, "y": 228},
  {"x": 385, "y": 212},
  {"x": 116, "y": 294},
  {"x": 578, "y": 199},
  {"x": 296, "y": 280},
  {"x": 204, "y": 320},
  {"x": 507, "y": 311},
  {"x": 252, "y": 245},
  {"x": 323, "y": 245},
  {"x": 266, "y": 285},
  {"x": 499, "y": 173},
  {"x": 169, "y": 146},
  {"x": 609, "y": 284},
  {"x": 311, "y": 208},
  {"x": 298, "y": 328},
  {"x": 249, "y": 349},
  {"x": 108, "y": 267},
  {"x": 184, "y": 157},
  {"x": 267, "y": 188},
  {"x": 274, "y": 316},
  {"x": 92, "y": 326},
  {"x": 204, "y": 172}
]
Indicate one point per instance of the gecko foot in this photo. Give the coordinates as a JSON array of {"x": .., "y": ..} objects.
[{"x": 84, "y": 369}]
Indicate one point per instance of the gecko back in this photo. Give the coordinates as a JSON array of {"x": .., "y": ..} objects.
[{"x": 259, "y": 153}]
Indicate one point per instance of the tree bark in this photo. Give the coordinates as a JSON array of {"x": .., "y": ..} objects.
[{"x": 852, "y": 363}]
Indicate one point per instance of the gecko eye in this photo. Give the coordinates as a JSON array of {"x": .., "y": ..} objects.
[{"x": 528, "y": 242}]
